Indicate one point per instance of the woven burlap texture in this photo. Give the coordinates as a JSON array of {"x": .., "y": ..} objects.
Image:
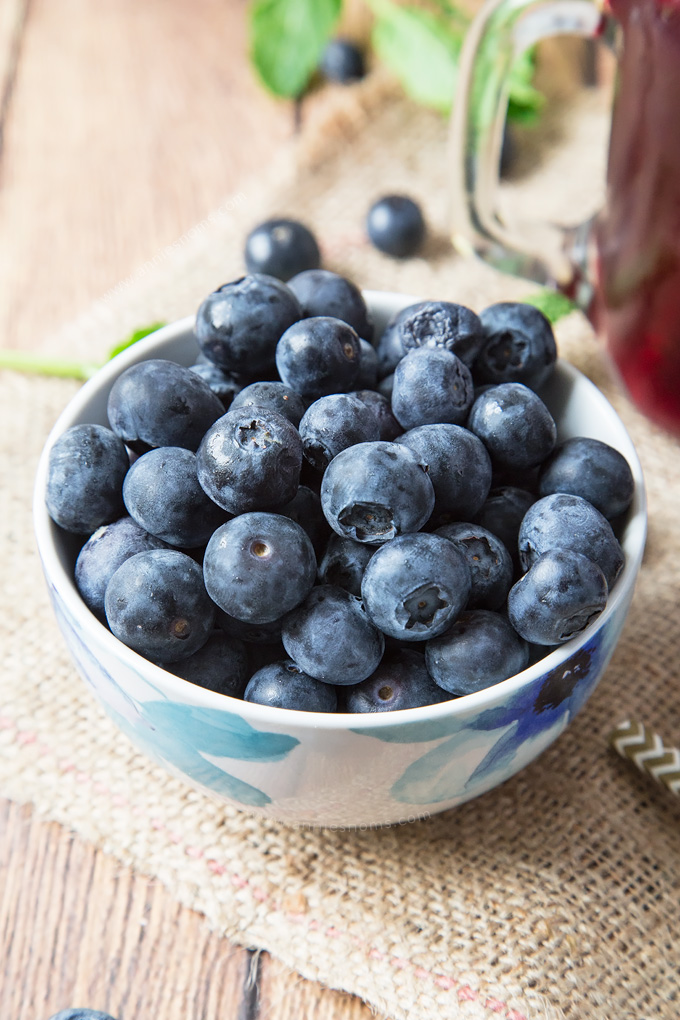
[{"x": 555, "y": 895}]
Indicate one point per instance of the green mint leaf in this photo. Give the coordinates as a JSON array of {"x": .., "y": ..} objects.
[
  {"x": 421, "y": 49},
  {"x": 525, "y": 102},
  {"x": 287, "y": 38},
  {"x": 138, "y": 334},
  {"x": 553, "y": 304}
]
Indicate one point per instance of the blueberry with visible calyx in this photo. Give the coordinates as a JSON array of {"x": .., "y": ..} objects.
[
  {"x": 85, "y": 472},
  {"x": 372, "y": 492},
  {"x": 400, "y": 681},
  {"x": 343, "y": 563},
  {"x": 319, "y": 356},
  {"x": 591, "y": 469},
  {"x": 331, "y": 637},
  {"x": 431, "y": 385},
  {"x": 558, "y": 597},
  {"x": 332, "y": 424},
  {"x": 490, "y": 563},
  {"x": 415, "y": 586},
  {"x": 162, "y": 493},
  {"x": 156, "y": 603},
  {"x": 479, "y": 650},
  {"x": 103, "y": 553},
  {"x": 458, "y": 466},
  {"x": 514, "y": 424},
  {"x": 222, "y": 384},
  {"x": 284, "y": 685},
  {"x": 519, "y": 345},
  {"x": 272, "y": 396},
  {"x": 258, "y": 566},
  {"x": 159, "y": 403},
  {"x": 324, "y": 293},
  {"x": 562, "y": 521},
  {"x": 395, "y": 225},
  {"x": 442, "y": 324},
  {"x": 281, "y": 247},
  {"x": 238, "y": 326},
  {"x": 221, "y": 665},
  {"x": 250, "y": 459},
  {"x": 342, "y": 61}
]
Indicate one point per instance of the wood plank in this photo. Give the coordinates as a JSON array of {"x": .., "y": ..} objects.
[
  {"x": 128, "y": 123},
  {"x": 78, "y": 929},
  {"x": 286, "y": 996}
]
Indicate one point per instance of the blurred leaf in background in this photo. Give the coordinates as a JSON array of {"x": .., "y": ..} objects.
[
  {"x": 287, "y": 38},
  {"x": 420, "y": 43}
]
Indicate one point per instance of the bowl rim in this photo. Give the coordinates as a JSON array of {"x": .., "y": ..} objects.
[{"x": 183, "y": 690}]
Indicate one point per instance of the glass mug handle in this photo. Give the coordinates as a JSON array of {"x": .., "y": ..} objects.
[{"x": 503, "y": 29}]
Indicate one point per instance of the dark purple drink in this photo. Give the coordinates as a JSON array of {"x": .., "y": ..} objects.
[{"x": 637, "y": 307}]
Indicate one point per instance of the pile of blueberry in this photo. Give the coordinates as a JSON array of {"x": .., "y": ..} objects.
[{"x": 319, "y": 518}]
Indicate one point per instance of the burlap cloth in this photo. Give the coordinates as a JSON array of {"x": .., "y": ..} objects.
[{"x": 553, "y": 895}]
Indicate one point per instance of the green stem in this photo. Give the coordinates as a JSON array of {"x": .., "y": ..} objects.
[{"x": 45, "y": 364}]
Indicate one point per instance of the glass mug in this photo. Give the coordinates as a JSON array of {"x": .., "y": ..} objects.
[{"x": 623, "y": 265}]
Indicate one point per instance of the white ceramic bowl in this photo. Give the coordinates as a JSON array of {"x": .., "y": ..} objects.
[{"x": 339, "y": 770}]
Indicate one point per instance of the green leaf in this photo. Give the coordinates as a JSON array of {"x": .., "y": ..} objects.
[
  {"x": 287, "y": 38},
  {"x": 553, "y": 304},
  {"x": 138, "y": 334},
  {"x": 524, "y": 100},
  {"x": 421, "y": 48}
]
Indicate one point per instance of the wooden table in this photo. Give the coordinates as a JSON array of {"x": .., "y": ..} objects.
[{"x": 121, "y": 125}]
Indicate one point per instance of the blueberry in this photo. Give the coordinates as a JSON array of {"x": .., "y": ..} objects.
[
  {"x": 156, "y": 603},
  {"x": 85, "y": 473},
  {"x": 458, "y": 465},
  {"x": 160, "y": 403},
  {"x": 561, "y": 594},
  {"x": 342, "y": 61},
  {"x": 562, "y": 521},
  {"x": 415, "y": 586},
  {"x": 222, "y": 384},
  {"x": 490, "y": 563},
  {"x": 274, "y": 396},
  {"x": 503, "y": 512},
  {"x": 431, "y": 385},
  {"x": 281, "y": 248},
  {"x": 319, "y": 356},
  {"x": 103, "y": 553},
  {"x": 479, "y": 650},
  {"x": 161, "y": 492},
  {"x": 443, "y": 324},
  {"x": 331, "y": 637},
  {"x": 388, "y": 426},
  {"x": 332, "y": 424},
  {"x": 343, "y": 563},
  {"x": 591, "y": 469},
  {"x": 238, "y": 326},
  {"x": 305, "y": 509},
  {"x": 400, "y": 681},
  {"x": 519, "y": 345},
  {"x": 74, "y": 1013},
  {"x": 374, "y": 491},
  {"x": 221, "y": 665},
  {"x": 258, "y": 566},
  {"x": 395, "y": 225},
  {"x": 284, "y": 685},
  {"x": 250, "y": 460},
  {"x": 323, "y": 293},
  {"x": 514, "y": 424}
]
